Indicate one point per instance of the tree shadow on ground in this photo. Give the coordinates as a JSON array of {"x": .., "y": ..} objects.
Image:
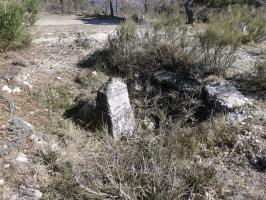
[{"x": 102, "y": 20}]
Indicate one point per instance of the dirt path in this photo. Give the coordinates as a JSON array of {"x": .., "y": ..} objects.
[{"x": 61, "y": 41}]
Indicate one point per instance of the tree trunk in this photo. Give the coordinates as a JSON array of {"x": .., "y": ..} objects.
[
  {"x": 111, "y": 8},
  {"x": 145, "y": 6},
  {"x": 62, "y": 6},
  {"x": 116, "y": 8},
  {"x": 76, "y": 6}
]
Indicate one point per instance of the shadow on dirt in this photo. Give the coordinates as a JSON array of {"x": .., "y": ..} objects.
[
  {"x": 249, "y": 86},
  {"x": 102, "y": 20},
  {"x": 96, "y": 59},
  {"x": 84, "y": 114}
]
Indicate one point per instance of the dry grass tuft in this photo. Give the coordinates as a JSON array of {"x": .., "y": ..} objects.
[
  {"x": 7, "y": 105},
  {"x": 151, "y": 165}
]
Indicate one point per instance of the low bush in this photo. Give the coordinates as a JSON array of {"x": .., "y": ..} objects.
[
  {"x": 31, "y": 9},
  {"x": 59, "y": 97},
  {"x": 218, "y": 43},
  {"x": 222, "y": 3},
  {"x": 151, "y": 165},
  {"x": 261, "y": 75},
  {"x": 15, "y": 18},
  {"x": 55, "y": 98},
  {"x": 65, "y": 187},
  {"x": 225, "y": 33},
  {"x": 165, "y": 42},
  {"x": 145, "y": 48},
  {"x": 122, "y": 50}
]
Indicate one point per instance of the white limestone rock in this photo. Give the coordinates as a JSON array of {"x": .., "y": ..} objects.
[
  {"x": 223, "y": 96},
  {"x": 114, "y": 108}
]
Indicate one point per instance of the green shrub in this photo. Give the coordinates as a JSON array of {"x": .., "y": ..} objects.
[
  {"x": 31, "y": 10},
  {"x": 169, "y": 21},
  {"x": 60, "y": 97},
  {"x": 57, "y": 98},
  {"x": 147, "y": 47},
  {"x": 218, "y": 43},
  {"x": 261, "y": 75},
  {"x": 256, "y": 28},
  {"x": 13, "y": 32},
  {"x": 165, "y": 43},
  {"x": 225, "y": 33},
  {"x": 65, "y": 187},
  {"x": 238, "y": 26},
  {"x": 222, "y": 3},
  {"x": 121, "y": 48},
  {"x": 15, "y": 17}
]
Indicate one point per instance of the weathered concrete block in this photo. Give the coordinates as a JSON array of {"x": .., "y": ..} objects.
[{"x": 113, "y": 107}]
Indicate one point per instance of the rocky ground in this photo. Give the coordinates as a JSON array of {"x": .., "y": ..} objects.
[{"x": 31, "y": 76}]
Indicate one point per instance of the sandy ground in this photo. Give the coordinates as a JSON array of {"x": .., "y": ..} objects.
[
  {"x": 56, "y": 20},
  {"x": 58, "y": 44}
]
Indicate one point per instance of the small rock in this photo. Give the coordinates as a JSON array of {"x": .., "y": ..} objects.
[
  {"x": 38, "y": 194},
  {"x": 6, "y": 166},
  {"x": 4, "y": 149},
  {"x": 20, "y": 130},
  {"x": 3, "y": 127},
  {"x": 223, "y": 96},
  {"x": 30, "y": 193},
  {"x": 94, "y": 73},
  {"x": 239, "y": 147},
  {"x": 17, "y": 90},
  {"x": 5, "y": 88},
  {"x": 148, "y": 123},
  {"x": 113, "y": 106},
  {"x": 19, "y": 126},
  {"x": 38, "y": 140},
  {"x": 27, "y": 84},
  {"x": 22, "y": 158},
  {"x": 235, "y": 118},
  {"x": 2, "y": 181},
  {"x": 20, "y": 62},
  {"x": 138, "y": 87}
]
